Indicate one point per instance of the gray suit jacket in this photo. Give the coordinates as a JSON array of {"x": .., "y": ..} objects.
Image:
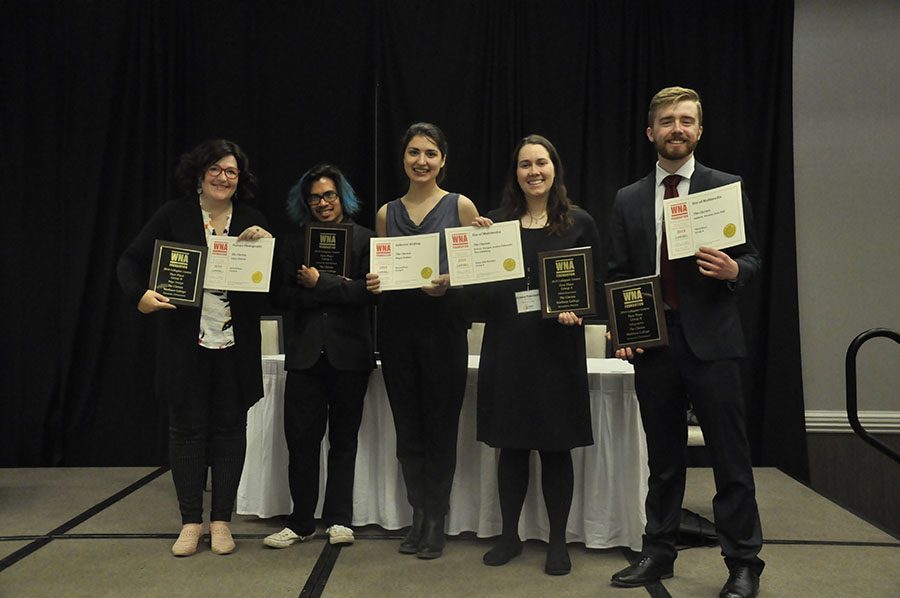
[{"x": 708, "y": 307}]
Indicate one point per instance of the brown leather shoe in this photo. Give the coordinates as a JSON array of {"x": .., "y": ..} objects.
[
  {"x": 187, "y": 541},
  {"x": 743, "y": 582},
  {"x": 647, "y": 570}
]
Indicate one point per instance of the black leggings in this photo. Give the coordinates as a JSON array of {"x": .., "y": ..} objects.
[
  {"x": 557, "y": 482},
  {"x": 425, "y": 359},
  {"x": 209, "y": 429}
]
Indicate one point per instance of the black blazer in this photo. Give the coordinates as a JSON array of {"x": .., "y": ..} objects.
[
  {"x": 177, "y": 330},
  {"x": 708, "y": 307},
  {"x": 335, "y": 316}
]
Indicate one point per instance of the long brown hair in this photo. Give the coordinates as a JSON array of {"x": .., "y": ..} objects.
[{"x": 513, "y": 204}]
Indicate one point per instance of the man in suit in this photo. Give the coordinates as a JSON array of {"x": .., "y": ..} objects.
[{"x": 699, "y": 364}]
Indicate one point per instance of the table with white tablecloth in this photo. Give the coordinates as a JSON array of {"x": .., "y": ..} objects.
[{"x": 610, "y": 476}]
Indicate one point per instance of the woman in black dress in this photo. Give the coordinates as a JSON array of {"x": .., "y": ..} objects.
[{"x": 532, "y": 379}]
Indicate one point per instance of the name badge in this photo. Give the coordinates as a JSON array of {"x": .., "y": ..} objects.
[{"x": 527, "y": 301}]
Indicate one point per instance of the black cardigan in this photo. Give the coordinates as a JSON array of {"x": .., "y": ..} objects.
[{"x": 177, "y": 330}]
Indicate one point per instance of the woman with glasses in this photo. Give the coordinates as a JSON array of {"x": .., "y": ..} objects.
[
  {"x": 329, "y": 353},
  {"x": 208, "y": 365},
  {"x": 422, "y": 340},
  {"x": 532, "y": 377}
]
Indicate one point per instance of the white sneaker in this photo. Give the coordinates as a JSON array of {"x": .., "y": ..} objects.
[
  {"x": 285, "y": 538},
  {"x": 339, "y": 534}
]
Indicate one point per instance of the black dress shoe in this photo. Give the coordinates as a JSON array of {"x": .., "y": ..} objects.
[
  {"x": 410, "y": 544},
  {"x": 431, "y": 545},
  {"x": 743, "y": 582},
  {"x": 647, "y": 570}
]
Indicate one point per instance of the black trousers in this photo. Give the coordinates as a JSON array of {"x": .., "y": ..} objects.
[
  {"x": 425, "y": 364},
  {"x": 209, "y": 429},
  {"x": 664, "y": 379},
  {"x": 313, "y": 398}
]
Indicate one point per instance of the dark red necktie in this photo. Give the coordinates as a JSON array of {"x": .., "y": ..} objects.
[{"x": 667, "y": 268}]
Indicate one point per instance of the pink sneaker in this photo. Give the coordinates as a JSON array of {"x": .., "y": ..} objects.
[
  {"x": 220, "y": 537},
  {"x": 187, "y": 541}
]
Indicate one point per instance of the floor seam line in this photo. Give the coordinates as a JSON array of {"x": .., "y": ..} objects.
[{"x": 47, "y": 538}]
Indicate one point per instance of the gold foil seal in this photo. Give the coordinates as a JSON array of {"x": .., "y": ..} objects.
[
  {"x": 256, "y": 277},
  {"x": 427, "y": 272},
  {"x": 509, "y": 264},
  {"x": 729, "y": 230}
]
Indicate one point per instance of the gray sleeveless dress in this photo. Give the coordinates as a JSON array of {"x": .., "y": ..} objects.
[
  {"x": 445, "y": 214},
  {"x": 424, "y": 357}
]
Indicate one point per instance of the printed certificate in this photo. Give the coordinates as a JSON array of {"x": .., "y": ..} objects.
[
  {"x": 405, "y": 262},
  {"x": 713, "y": 218},
  {"x": 488, "y": 254},
  {"x": 234, "y": 265}
]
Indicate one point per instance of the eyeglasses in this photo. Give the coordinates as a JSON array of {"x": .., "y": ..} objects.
[
  {"x": 230, "y": 173},
  {"x": 315, "y": 198}
]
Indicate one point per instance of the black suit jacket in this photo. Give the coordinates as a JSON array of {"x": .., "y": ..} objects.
[
  {"x": 708, "y": 307},
  {"x": 176, "y": 347},
  {"x": 335, "y": 316}
]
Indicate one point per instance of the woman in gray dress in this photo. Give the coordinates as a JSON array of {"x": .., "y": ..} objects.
[{"x": 422, "y": 340}]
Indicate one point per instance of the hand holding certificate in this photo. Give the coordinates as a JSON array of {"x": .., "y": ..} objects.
[
  {"x": 713, "y": 218},
  {"x": 484, "y": 254},
  {"x": 234, "y": 265},
  {"x": 405, "y": 262}
]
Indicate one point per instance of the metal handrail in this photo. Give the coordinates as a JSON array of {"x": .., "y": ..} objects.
[{"x": 852, "y": 409}]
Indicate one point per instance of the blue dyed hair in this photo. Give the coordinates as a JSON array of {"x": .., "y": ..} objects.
[{"x": 298, "y": 209}]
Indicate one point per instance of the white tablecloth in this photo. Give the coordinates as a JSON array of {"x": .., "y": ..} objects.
[{"x": 610, "y": 476}]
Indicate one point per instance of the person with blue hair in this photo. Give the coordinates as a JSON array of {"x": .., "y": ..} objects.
[{"x": 328, "y": 357}]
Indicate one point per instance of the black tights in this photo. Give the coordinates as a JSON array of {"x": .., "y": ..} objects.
[
  {"x": 557, "y": 481},
  {"x": 191, "y": 452},
  {"x": 208, "y": 428}
]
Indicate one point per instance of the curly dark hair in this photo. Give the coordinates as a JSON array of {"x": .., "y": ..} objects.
[
  {"x": 512, "y": 203},
  {"x": 193, "y": 164}
]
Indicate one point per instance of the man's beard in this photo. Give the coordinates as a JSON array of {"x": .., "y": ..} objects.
[{"x": 675, "y": 152}]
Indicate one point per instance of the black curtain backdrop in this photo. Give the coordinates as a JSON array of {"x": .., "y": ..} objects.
[{"x": 99, "y": 98}]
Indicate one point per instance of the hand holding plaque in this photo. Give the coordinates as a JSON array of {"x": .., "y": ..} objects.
[
  {"x": 567, "y": 282},
  {"x": 328, "y": 248},
  {"x": 177, "y": 272},
  {"x": 636, "y": 317}
]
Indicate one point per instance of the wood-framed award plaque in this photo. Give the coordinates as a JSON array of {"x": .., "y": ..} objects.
[
  {"x": 567, "y": 282},
  {"x": 636, "y": 317},
  {"x": 178, "y": 271},
  {"x": 328, "y": 247}
]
